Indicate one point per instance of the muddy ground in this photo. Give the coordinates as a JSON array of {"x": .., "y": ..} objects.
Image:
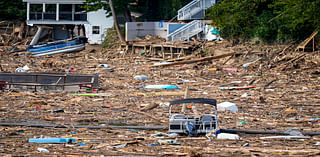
[{"x": 285, "y": 96}]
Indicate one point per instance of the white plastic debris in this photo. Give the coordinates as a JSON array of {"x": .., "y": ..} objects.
[
  {"x": 227, "y": 106},
  {"x": 141, "y": 77},
  {"x": 23, "y": 69},
  {"x": 317, "y": 144},
  {"x": 244, "y": 95},
  {"x": 248, "y": 64},
  {"x": 228, "y": 136},
  {"x": 43, "y": 150},
  {"x": 164, "y": 104}
]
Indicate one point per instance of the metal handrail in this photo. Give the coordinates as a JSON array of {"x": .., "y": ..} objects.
[
  {"x": 193, "y": 8},
  {"x": 187, "y": 31}
]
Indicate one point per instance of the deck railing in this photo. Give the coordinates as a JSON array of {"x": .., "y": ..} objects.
[
  {"x": 187, "y": 31},
  {"x": 195, "y": 9},
  {"x": 69, "y": 16}
]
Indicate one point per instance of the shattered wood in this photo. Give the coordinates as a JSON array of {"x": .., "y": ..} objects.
[{"x": 283, "y": 98}]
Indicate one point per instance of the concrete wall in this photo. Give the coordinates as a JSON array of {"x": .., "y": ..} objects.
[
  {"x": 141, "y": 29},
  {"x": 98, "y": 18}
]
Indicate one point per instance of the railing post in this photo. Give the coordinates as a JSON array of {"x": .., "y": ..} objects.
[
  {"x": 28, "y": 11},
  {"x": 73, "y": 11},
  {"x": 43, "y": 10},
  {"x": 57, "y": 12}
]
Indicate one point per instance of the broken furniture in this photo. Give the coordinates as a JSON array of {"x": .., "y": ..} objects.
[
  {"x": 193, "y": 126},
  {"x": 45, "y": 80}
]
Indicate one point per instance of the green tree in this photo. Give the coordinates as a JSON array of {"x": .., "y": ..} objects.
[
  {"x": 10, "y": 10},
  {"x": 270, "y": 20}
]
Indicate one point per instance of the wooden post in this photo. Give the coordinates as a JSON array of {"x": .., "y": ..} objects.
[
  {"x": 162, "y": 51},
  {"x": 184, "y": 106},
  {"x": 313, "y": 44}
]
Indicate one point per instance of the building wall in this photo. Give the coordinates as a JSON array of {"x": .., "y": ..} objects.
[
  {"x": 97, "y": 19},
  {"x": 141, "y": 29}
]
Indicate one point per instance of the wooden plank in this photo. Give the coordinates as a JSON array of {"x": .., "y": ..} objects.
[{"x": 196, "y": 60}]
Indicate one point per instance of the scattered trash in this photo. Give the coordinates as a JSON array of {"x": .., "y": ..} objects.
[
  {"x": 92, "y": 94},
  {"x": 294, "y": 132},
  {"x": 186, "y": 81},
  {"x": 153, "y": 144},
  {"x": 58, "y": 111},
  {"x": 238, "y": 88},
  {"x": 52, "y": 140},
  {"x": 70, "y": 70},
  {"x": 227, "y": 106},
  {"x": 81, "y": 144},
  {"x": 285, "y": 137},
  {"x": 244, "y": 95},
  {"x": 164, "y": 104},
  {"x": 106, "y": 66},
  {"x": 243, "y": 123},
  {"x": 248, "y": 64},
  {"x": 23, "y": 69},
  {"x": 212, "y": 69},
  {"x": 161, "y": 87},
  {"x": 168, "y": 142},
  {"x": 141, "y": 77},
  {"x": 230, "y": 69},
  {"x": 162, "y": 63},
  {"x": 43, "y": 150},
  {"x": 120, "y": 145},
  {"x": 228, "y": 136},
  {"x": 136, "y": 131},
  {"x": 317, "y": 144},
  {"x": 246, "y": 145}
]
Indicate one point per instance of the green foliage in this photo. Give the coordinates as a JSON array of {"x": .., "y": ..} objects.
[
  {"x": 14, "y": 9},
  {"x": 270, "y": 20},
  {"x": 151, "y": 10},
  {"x": 111, "y": 38}
]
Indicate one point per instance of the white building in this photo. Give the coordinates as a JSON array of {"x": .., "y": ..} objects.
[
  {"x": 97, "y": 26},
  {"x": 63, "y": 16}
]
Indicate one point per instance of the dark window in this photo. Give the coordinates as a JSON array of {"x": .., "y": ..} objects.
[{"x": 95, "y": 30}]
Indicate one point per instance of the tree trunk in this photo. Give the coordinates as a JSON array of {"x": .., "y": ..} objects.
[
  {"x": 116, "y": 24},
  {"x": 127, "y": 14}
]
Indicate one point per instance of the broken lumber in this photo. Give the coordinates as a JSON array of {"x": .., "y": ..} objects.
[
  {"x": 81, "y": 126},
  {"x": 196, "y": 60}
]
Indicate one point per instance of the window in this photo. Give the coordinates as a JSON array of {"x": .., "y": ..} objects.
[{"x": 95, "y": 30}]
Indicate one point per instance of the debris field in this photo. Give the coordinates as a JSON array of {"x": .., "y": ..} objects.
[{"x": 284, "y": 95}]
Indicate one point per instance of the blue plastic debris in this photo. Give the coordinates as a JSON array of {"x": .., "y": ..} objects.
[
  {"x": 52, "y": 140},
  {"x": 134, "y": 130},
  {"x": 161, "y": 87},
  {"x": 153, "y": 144},
  {"x": 81, "y": 144}
]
